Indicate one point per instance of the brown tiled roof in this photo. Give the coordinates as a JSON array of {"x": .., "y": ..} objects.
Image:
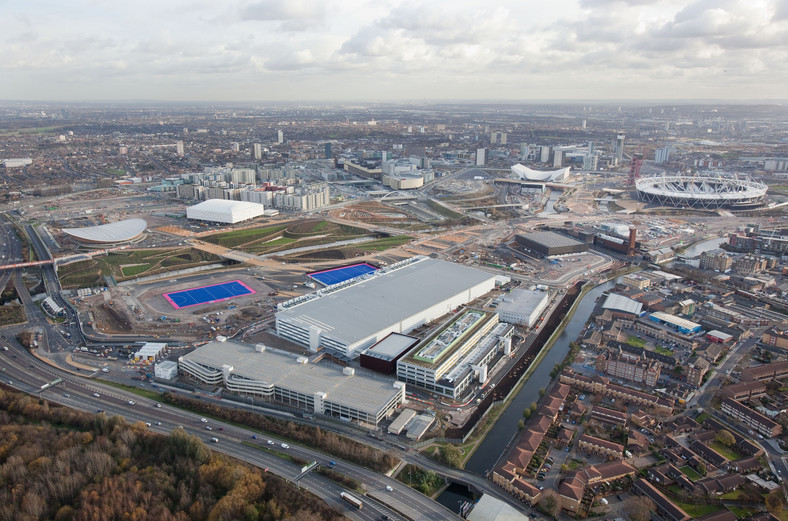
[
  {"x": 599, "y": 442},
  {"x": 661, "y": 500}
]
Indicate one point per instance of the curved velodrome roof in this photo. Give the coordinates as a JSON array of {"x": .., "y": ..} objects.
[
  {"x": 523, "y": 172},
  {"x": 120, "y": 231}
]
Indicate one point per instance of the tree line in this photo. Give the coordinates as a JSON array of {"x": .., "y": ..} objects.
[{"x": 64, "y": 465}]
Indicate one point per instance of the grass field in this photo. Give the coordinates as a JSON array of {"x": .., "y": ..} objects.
[
  {"x": 696, "y": 511},
  {"x": 12, "y": 314},
  {"x": 663, "y": 351},
  {"x": 130, "y": 271},
  {"x": 385, "y": 243}
]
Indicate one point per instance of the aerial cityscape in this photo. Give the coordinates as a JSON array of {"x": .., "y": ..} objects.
[{"x": 385, "y": 272}]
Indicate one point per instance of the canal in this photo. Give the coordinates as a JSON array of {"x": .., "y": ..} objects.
[
  {"x": 709, "y": 244},
  {"x": 505, "y": 428}
]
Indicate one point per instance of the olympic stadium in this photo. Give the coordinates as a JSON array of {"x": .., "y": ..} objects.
[
  {"x": 108, "y": 234},
  {"x": 713, "y": 190}
]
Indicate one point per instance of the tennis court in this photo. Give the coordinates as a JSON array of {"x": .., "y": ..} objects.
[
  {"x": 207, "y": 294},
  {"x": 341, "y": 274}
]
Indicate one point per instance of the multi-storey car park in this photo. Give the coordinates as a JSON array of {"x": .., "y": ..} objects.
[
  {"x": 447, "y": 361},
  {"x": 290, "y": 380},
  {"x": 712, "y": 190},
  {"x": 350, "y": 317}
]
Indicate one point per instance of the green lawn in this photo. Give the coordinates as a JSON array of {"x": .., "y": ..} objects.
[
  {"x": 130, "y": 271},
  {"x": 702, "y": 417},
  {"x": 690, "y": 473},
  {"x": 696, "y": 511},
  {"x": 740, "y": 512},
  {"x": 635, "y": 341},
  {"x": 385, "y": 243},
  {"x": 732, "y": 495},
  {"x": 724, "y": 451},
  {"x": 663, "y": 351}
]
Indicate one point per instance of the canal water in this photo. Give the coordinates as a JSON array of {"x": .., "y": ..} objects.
[
  {"x": 709, "y": 244},
  {"x": 505, "y": 428}
]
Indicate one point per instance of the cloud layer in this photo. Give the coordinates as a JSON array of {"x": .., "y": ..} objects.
[{"x": 394, "y": 50}]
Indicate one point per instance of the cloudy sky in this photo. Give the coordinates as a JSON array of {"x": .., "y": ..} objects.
[{"x": 389, "y": 50}]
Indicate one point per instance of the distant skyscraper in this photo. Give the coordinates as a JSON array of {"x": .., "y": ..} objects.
[
  {"x": 558, "y": 158},
  {"x": 498, "y": 138},
  {"x": 258, "y": 151},
  {"x": 481, "y": 156},
  {"x": 280, "y": 137},
  {"x": 236, "y": 147},
  {"x": 179, "y": 148},
  {"x": 544, "y": 154},
  {"x": 619, "y": 147},
  {"x": 328, "y": 150},
  {"x": 583, "y": 124},
  {"x": 662, "y": 154}
]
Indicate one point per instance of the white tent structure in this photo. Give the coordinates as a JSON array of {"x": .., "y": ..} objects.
[
  {"x": 525, "y": 173},
  {"x": 224, "y": 211}
]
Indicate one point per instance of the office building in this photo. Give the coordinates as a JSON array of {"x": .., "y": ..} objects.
[{"x": 481, "y": 156}]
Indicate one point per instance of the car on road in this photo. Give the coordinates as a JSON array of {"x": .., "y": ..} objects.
[
  {"x": 285, "y": 446},
  {"x": 204, "y": 420},
  {"x": 131, "y": 402},
  {"x": 208, "y": 428},
  {"x": 388, "y": 487},
  {"x": 157, "y": 423},
  {"x": 158, "y": 405},
  {"x": 270, "y": 442},
  {"x": 96, "y": 395},
  {"x": 147, "y": 424},
  {"x": 66, "y": 395},
  {"x": 254, "y": 436},
  {"x": 214, "y": 440}
]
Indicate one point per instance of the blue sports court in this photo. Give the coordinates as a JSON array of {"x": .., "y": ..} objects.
[
  {"x": 207, "y": 294},
  {"x": 341, "y": 274}
]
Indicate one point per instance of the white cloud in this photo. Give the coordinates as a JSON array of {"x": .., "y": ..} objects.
[{"x": 397, "y": 48}]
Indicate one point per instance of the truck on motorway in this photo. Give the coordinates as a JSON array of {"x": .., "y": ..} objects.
[{"x": 352, "y": 500}]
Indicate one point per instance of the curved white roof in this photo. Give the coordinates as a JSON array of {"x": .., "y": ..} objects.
[
  {"x": 523, "y": 172},
  {"x": 120, "y": 231}
]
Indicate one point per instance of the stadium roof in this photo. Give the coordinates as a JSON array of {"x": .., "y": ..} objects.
[
  {"x": 373, "y": 305},
  {"x": 523, "y": 172},
  {"x": 365, "y": 394},
  {"x": 618, "y": 302},
  {"x": 120, "y": 231},
  {"x": 551, "y": 239}
]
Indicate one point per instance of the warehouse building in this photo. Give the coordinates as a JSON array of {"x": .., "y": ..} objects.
[
  {"x": 680, "y": 324},
  {"x": 224, "y": 211},
  {"x": 547, "y": 244},
  {"x": 293, "y": 381},
  {"x": 447, "y": 361},
  {"x": 522, "y": 306},
  {"x": 350, "y": 317}
]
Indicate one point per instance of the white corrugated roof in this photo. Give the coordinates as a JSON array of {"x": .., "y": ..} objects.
[{"x": 621, "y": 303}]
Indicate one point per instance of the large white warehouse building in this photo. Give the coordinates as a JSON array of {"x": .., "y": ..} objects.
[
  {"x": 224, "y": 211},
  {"x": 397, "y": 299}
]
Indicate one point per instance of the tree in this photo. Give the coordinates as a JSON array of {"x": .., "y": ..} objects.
[
  {"x": 701, "y": 468},
  {"x": 542, "y": 391},
  {"x": 521, "y": 424},
  {"x": 526, "y": 413},
  {"x": 533, "y": 406},
  {"x": 639, "y": 508},
  {"x": 725, "y": 437},
  {"x": 678, "y": 369},
  {"x": 774, "y": 504},
  {"x": 550, "y": 503}
]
